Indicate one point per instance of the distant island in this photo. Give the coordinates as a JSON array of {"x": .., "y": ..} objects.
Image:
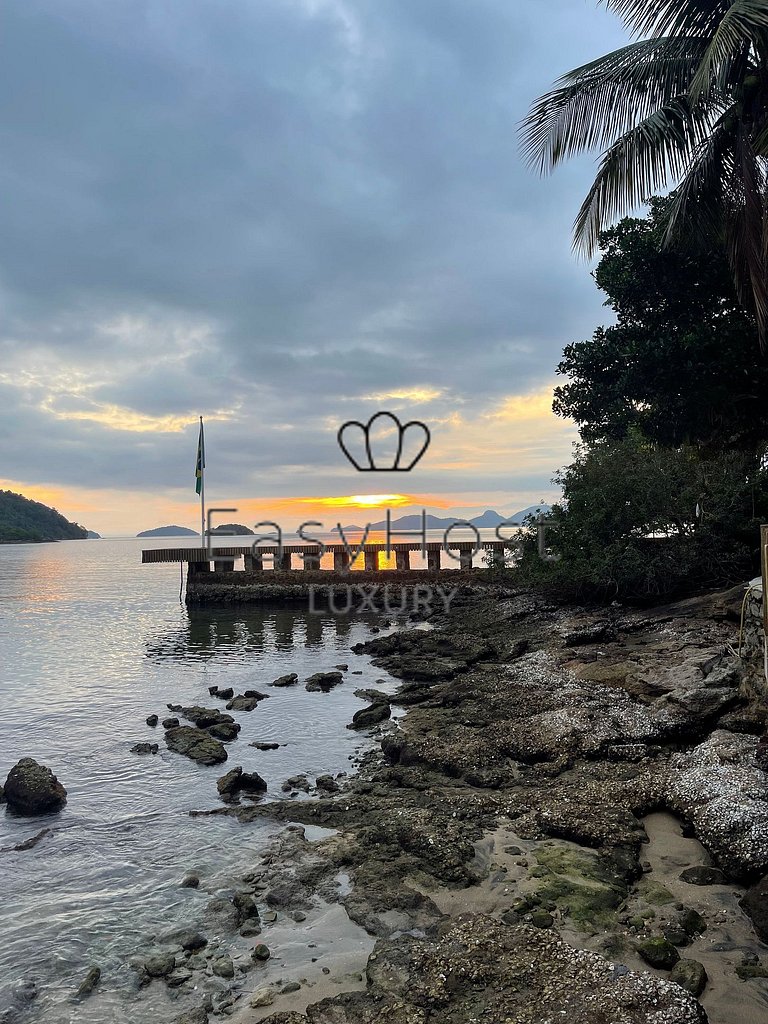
[
  {"x": 233, "y": 530},
  {"x": 92, "y": 535},
  {"x": 23, "y": 521},
  {"x": 487, "y": 520},
  {"x": 169, "y": 531}
]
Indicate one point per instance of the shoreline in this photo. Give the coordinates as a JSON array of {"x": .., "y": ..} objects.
[{"x": 564, "y": 728}]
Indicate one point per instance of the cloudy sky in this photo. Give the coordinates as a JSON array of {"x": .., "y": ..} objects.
[{"x": 282, "y": 214}]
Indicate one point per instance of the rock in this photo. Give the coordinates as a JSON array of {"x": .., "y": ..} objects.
[
  {"x": 197, "y": 1016},
  {"x": 290, "y": 679},
  {"x": 190, "y": 881},
  {"x": 195, "y": 744},
  {"x": 701, "y": 874},
  {"x": 261, "y": 745},
  {"x": 243, "y": 703},
  {"x": 152, "y": 720},
  {"x": 292, "y": 986},
  {"x": 160, "y": 965},
  {"x": 296, "y": 782},
  {"x": 203, "y": 718},
  {"x": 367, "y": 717},
  {"x": 373, "y": 696},
  {"x": 323, "y": 681},
  {"x": 327, "y": 784},
  {"x": 33, "y": 789},
  {"x": 262, "y": 997},
  {"x": 237, "y": 780},
  {"x": 144, "y": 748},
  {"x": 170, "y": 723},
  {"x": 675, "y": 934},
  {"x": 342, "y": 668},
  {"x": 223, "y": 967},
  {"x": 541, "y": 919},
  {"x": 250, "y": 929},
  {"x": 178, "y": 977},
  {"x": 260, "y": 953},
  {"x": 89, "y": 983},
  {"x": 187, "y": 938},
  {"x": 754, "y": 903},
  {"x": 226, "y": 694},
  {"x": 28, "y": 844},
  {"x": 658, "y": 952},
  {"x": 692, "y": 922},
  {"x": 690, "y": 975},
  {"x": 748, "y": 971},
  {"x": 246, "y": 908},
  {"x": 224, "y": 731}
]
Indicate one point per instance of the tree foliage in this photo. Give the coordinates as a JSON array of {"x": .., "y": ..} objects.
[
  {"x": 26, "y": 521},
  {"x": 685, "y": 106},
  {"x": 679, "y": 364}
]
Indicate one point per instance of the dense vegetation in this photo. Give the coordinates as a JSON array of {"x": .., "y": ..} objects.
[
  {"x": 26, "y": 521},
  {"x": 669, "y": 486}
]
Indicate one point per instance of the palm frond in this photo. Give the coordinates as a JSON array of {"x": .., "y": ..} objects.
[
  {"x": 670, "y": 17},
  {"x": 698, "y": 202},
  {"x": 740, "y": 26},
  {"x": 747, "y": 231},
  {"x": 594, "y": 104},
  {"x": 638, "y": 164}
]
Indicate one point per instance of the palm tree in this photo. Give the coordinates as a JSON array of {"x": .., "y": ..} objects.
[{"x": 684, "y": 104}]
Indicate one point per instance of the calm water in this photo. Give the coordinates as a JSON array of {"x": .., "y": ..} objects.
[{"x": 91, "y": 643}]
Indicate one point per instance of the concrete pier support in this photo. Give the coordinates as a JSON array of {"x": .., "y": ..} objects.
[
  {"x": 253, "y": 563},
  {"x": 311, "y": 560},
  {"x": 371, "y": 561},
  {"x": 465, "y": 559},
  {"x": 223, "y": 565},
  {"x": 402, "y": 560},
  {"x": 341, "y": 561},
  {"x": 284, "y": 562},
  {"x": 195, "y": 567},
  {"x": 433, "y": 561}
]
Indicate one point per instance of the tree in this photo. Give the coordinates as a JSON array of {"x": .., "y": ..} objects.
[
  {"x": 679, "y": 364},
  {"x": 686, "y": 105}
]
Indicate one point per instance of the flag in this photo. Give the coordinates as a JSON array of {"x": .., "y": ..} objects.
[{"x": 200, "y": 465}]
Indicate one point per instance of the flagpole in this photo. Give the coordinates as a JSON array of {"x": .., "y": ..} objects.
[{"x": 202, "y": 483}]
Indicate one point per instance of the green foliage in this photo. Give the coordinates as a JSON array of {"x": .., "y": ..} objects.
[
  {"x": 688, "y": 106},
  {"x": 25, "y": 521},
  {"x": 680, "y": 363},
  {"x": 628, "y": 525}
]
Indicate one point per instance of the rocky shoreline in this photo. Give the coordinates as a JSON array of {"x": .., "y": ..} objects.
[{"x": 521, "y": 847}]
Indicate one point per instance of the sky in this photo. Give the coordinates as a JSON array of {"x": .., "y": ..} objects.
[{"x": 283, "y": 215}]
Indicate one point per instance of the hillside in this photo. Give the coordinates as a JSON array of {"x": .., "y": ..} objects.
[
  {"x": 168, "y": 531},
  {"x": 488, "y": 519},
  {"x": 23, "y": 521}
]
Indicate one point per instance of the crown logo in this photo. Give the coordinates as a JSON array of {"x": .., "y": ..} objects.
[{"x": 368, "y": 446}]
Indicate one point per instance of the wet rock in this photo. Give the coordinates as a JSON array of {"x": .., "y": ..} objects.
[
  {"x": 701, "y": 874},
  {"x": 196, "y": 1016},
  {"x": 25, "y": 991},
  {"x": 365, "y": 718},
  {"x": 89, "y": 983},
  {"x": 692, "y": 922},
  {"x": 250, "y": 929},
  {"x": 342, "y": 668},
  {"x": 246, "y": 908},
  {"x": 292, "y": 986},
  {"x": 159, "y": 965},
  {"x": 195, "y": 744},
  {"x": 290, "y": 679},
  {"x": 33, "y": 789},
  {"x": 658, "y": 952},
  {"x": 246, "y": 701},
  {"x": 152, "y": 720},
  {"x": 260, "y": 953},
  {"x": 327, "y": 784},
  {"x": 224, "y": 731},
  {"x": 201, "y": 717},
  {"x": 223, "y": 967},
  {"x": 170, "y": 723},
  {"x": 262, "y": 745},
  {"x": 28, "y": 844},
  {"x": 144, "y": 748},
  {"x": 748, "y": 970},
  {"x": 296, "y": 782},
  {"x": 190, "y": 881},
  {"x": 187, "y": 938},
  {"x": 754, "y": 903},
  {"x": 591, "y": 634},
  {"x": 262, "y": 997},
  {"x": 223, "y": 694},
  {"x": 178, "y": 977},
  {"x": 323, "y": 681},
  {"x": 374, "y": 696},
  {"x": 690, "y": 975},
  {"x": 236, "y": 781}
]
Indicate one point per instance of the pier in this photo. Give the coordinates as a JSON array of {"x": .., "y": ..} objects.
[{"x": 294, "y": 571}]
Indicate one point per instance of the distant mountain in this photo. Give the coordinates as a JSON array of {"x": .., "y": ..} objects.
[
  {"x": 233, "y": 530},
  {"x": 488, "y": 520},
  {"x": 169, "y": 531},
  {"x": 92, "y": 535},
  {"x": 23, "y": 521}
]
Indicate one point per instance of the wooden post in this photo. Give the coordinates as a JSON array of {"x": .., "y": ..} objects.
[
  {"x": 371, "y": 561},
  {"x": 253, "y": 563},
  {"x": 433, "y": 560},
  {"x": 285, "y": 562},
  {"x": 341, "y": 561},
  {"x": 402, "y": 559}
]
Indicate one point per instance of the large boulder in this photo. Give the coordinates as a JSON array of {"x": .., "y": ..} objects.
[
  {"x": 32, "y": 789},
  {"x": 323, "y": 681},
  {"x": 754, "y": 903},
  {"x": 365, "y": 718},
  {"x": 237, "y": 781},
  {"x": 195, "y": 744}
]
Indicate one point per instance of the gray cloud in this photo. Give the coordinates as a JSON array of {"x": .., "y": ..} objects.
[{"x": 269, "y": 209}]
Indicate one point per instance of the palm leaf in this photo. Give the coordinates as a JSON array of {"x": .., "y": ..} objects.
[
  {"x": 593, "y": 104},
  {"x": 743, "y": 23},
  {"x": 670, "y": 17},
  {"x": 698, "y": 202}
]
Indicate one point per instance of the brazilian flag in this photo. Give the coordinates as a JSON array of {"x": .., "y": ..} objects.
[{"x": 200, "y": 460}]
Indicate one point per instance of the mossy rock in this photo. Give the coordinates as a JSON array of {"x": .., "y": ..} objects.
[
  {"x": 582, "y": 882},
  {"x": 658, "y": 952},
  {"x": 748, "y": 971},
  {"x": 690, "y": 975},
  {"x": 654, "y": 892}
]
